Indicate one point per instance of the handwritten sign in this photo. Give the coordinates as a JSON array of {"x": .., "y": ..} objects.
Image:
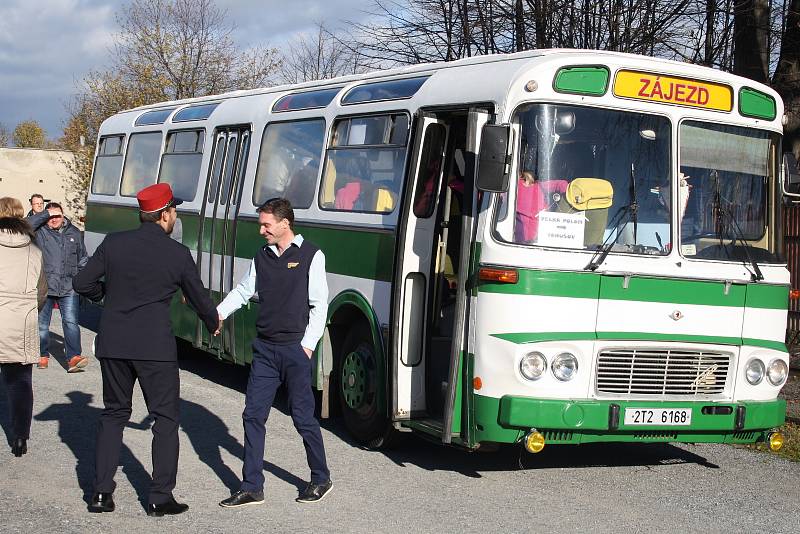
[
  {"x": 672, "y": 90},
  {"x": 561, "y": 229}
]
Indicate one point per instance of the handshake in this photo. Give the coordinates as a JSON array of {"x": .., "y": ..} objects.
[{"x": 219, "y": 326}]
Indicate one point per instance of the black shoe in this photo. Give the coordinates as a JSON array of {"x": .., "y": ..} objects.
[
  {"x": 171, "y": 507},
  {"x": 101, "y": 502},
  {"x": 315, "y": 492},
  {"x": 243, "y": 498},
  {"x": 19, "y": 447}
]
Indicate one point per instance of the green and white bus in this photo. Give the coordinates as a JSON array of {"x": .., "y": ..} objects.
[{"x": 548, "y": 247}]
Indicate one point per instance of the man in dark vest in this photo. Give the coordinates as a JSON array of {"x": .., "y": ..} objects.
[
  {"x": 288, "y": 273},
  {"x": 143, "y": 269}
]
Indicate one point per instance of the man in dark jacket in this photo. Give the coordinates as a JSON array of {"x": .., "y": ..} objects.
[
  {"x": 64, "y": 254},
  {"x": 143, "y": 269}
]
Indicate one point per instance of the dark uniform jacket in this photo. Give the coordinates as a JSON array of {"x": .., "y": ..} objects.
[
  {"x": 143, "y": 269},
  {"x": 63, "y": 253}
]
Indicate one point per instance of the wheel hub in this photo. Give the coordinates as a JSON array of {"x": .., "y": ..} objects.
[{"x": 354, "y": 380}]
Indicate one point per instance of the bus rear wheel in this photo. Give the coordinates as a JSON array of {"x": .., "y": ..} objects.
[{"x": 359, "y": 384}]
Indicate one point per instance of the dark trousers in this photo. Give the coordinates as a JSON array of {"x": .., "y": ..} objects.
[
  {"x": 19, "y": 387},
  {"x": 160, "y": 385},
  {"x": 273, "y": 365}
]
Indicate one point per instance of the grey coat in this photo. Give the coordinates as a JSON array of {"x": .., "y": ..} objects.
[{"x": 63, "y": 252}]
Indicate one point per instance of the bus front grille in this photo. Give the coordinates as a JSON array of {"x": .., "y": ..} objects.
[{"x": 662, "y": 372}]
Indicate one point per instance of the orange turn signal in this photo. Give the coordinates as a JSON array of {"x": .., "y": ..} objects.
[
  {"x": 794, "y": 294},
  {"x": 506, "y": 276},
  {"x": 477, "y": 383}
]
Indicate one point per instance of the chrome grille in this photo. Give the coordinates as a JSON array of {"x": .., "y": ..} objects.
[{"x": 662, "y": 372}]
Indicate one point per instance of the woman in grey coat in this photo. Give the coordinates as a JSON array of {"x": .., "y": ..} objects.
[{"x": 23, "y": 290}]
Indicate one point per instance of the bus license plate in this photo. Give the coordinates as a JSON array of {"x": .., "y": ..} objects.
[{"x": 658, "y": 416}]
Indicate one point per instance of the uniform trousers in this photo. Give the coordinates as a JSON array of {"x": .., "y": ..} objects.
[
  {"x": 272, "y": 366},
  {"x": 160, "y": 385},
  {"x": 19, "y": 389}
]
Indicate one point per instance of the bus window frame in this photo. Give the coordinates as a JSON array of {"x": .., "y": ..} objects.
[
  {"x": 164, "y": 153},
  {"x": 127, "y": 151},
  {"x": 287, "y": 120},
  {"x": 403, "y": 174},
  {"x": 123, "y": 147}
]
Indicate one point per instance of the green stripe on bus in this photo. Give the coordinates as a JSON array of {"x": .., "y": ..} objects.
[
  {"x": 520, "y": 338},
  {"x": 642, "y": 289},
  {"x": 547, "y": 283},
  {"x": 357, "y": 252},
  {"x": 773, "y": 297}
]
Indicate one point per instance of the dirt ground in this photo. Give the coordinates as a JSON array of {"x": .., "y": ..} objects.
[{"x": 791, "y": 392}]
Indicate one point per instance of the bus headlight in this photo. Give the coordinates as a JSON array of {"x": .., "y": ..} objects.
[
  {"x": 564, "y": 366},
  {"x": 533, "y": 365},
  {"x": 754, "y": 371},
  {"x": 777, "y": 371}
]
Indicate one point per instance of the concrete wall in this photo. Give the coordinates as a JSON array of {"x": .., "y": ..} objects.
[{"x": 25, "y": 171}]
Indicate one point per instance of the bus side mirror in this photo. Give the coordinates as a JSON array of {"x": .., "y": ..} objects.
[
  {"x": 494, "y": 161},
  {"x": 791, "y": 176}
]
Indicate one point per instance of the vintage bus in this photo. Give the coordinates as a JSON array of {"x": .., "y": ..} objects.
[{"x": 547, "y": 247}]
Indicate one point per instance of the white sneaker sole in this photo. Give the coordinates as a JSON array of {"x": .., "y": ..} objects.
[{"x": 254, "y": 503}]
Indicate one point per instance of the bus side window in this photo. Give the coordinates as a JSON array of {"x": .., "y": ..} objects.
[
  {"x": 288, "y": 164},
  {"x": 180, "y": 164},
  {"x": 141, "y": 162}
]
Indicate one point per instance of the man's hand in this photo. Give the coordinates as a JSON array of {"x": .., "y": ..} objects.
[
  {"x": 54, "y": 212},
  {"x": 219, "y": 326},
  {"x": 308, "y": 352}
]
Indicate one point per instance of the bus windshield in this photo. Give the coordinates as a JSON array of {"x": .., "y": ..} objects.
[
  {"x": 589, "y": 178},
  {"x": 728, "y": 189}
]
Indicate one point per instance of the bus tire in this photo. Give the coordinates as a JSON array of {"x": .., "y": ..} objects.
[{"x": 357, "y": 378}]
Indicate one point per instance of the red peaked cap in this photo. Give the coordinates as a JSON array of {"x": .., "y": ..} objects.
[{"x": 156, "y": 197}]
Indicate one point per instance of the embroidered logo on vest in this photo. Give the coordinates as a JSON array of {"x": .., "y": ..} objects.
[{"x": 292, "y": 264}]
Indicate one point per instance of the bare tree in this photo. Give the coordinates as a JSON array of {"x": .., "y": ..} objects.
[
  {"x": 317, "y": 56},
  {"x": 787, "y": 76},
  {"x": 187, "y": 45},
  {"x": 751, "y": 39}
]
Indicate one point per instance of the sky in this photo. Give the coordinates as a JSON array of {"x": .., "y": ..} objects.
[{"x": 47, "y": 46}]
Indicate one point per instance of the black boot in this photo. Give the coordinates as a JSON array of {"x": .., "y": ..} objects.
[{"x": 19, "y": 447}]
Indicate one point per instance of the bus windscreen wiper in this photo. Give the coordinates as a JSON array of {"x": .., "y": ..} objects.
[
  {"x": 723, "y": 210},
  {"x": 632, "y": 210}
]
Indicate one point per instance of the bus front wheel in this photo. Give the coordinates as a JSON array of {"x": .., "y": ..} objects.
[{"x": 359, "y": 384}]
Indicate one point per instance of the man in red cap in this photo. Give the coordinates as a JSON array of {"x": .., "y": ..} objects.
[{"x": 138, "y": 273}]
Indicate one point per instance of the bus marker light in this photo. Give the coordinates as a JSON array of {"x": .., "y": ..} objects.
[
  {"x": 776, "y": 441},
  {"x": 506, "y": 276},
  {"x": 477, "y": 383},
  {"x": 794, "y": 294},
  {"x": 534, "y": 441}
]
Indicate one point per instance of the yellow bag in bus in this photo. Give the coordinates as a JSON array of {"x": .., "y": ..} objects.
[{"x": 590, "y": 194}]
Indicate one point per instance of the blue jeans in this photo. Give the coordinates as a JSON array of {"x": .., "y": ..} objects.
[{"x": 69, "y": 307}]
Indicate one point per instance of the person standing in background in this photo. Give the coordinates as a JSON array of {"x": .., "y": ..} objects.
[
  {"x": 64, "y": 255},
  {"x": 23, "y": 289},
  {"x": 37, "y": 204}
]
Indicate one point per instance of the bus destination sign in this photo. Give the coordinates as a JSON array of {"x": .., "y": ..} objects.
[{"x": 671, "y": 90}]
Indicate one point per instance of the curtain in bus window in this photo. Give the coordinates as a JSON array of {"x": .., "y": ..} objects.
[
  {"x": 180, "y": 166},
  {"x": 141, "y": 163},
  {"x": 288, "y": 164},
  {"x": 712, "y": 147}
]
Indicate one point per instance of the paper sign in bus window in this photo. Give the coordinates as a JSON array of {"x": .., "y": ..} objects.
[{"x": 561, "y": 229}]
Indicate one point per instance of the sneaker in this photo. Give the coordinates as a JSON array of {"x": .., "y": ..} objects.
[
  {"x": 243, "y": 498},
  {"x": 43, "y": 361},
  {"x": 315, "y": 492},
  {"x": 77, "y": 363}
]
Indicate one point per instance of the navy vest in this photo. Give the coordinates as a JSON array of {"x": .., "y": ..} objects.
[{"x": 282, "y": 287}]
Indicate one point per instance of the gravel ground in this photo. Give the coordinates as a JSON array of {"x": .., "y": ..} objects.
[{"x": 420, "y": 487}]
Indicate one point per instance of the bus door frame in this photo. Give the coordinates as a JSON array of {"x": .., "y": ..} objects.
[
  {"x": 413, "y": 278},
  {"x": 227, "y": 178}
]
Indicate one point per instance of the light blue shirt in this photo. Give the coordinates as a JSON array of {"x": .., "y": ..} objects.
[{"x": 317, "y": 295}]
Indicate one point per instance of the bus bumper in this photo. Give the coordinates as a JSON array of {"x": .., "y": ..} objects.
[{"x": 586, "y": 421}]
